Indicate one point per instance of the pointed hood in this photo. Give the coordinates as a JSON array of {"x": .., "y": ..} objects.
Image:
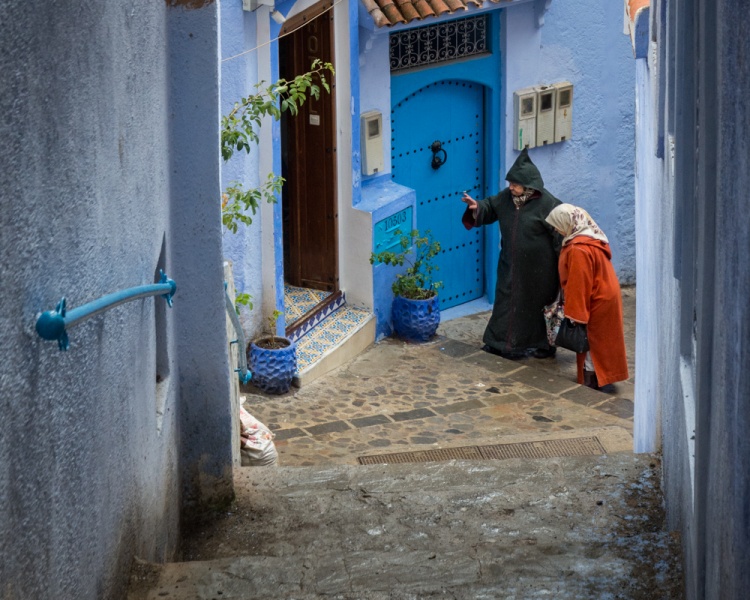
[{"x": 525, "y": 172}]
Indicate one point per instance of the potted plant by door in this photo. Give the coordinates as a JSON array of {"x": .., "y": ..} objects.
[
  {"x": 416, "y": 309},
  {"x": 273, "y": 360}
]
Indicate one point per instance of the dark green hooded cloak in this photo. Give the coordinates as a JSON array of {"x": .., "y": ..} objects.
[{"x": 527, "y": 276}]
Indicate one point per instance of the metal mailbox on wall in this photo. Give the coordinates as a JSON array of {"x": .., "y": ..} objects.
[
  {"x": 384, "y": 232},
  {"x": 543, "y": 115},
  {"x": 524, "y": 104},
  {"x": 372, "y": 142},
  {"x": 563, "y": 111}
]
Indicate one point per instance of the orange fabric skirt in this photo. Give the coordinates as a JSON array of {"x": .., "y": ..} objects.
[{"x": 592, "y": 296}]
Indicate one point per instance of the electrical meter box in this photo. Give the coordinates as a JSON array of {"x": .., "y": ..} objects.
[
  {"x": 545, "y": 115},
  {"x": 524, "y": 107},
  {"x": 371, "y": 133},
  {"x": 563, "y": 111}
]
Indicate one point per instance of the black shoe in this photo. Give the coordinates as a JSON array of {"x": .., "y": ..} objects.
[
  {"x": 589, "y": 380},
  {"x": 545, "y": 352},
  {"x": 506, "y": 355}
]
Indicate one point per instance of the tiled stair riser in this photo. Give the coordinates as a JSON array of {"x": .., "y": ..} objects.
[
  {"x": 326, "y": 331},
  {"x": 318, "y": 318},
  {"x": 298, "y": 301},
  {"x": 329, "y": 334}
]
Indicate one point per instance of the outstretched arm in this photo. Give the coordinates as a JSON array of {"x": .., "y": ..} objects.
[
  {"x": 479, "y": 212},
  {"x": 470, "y": 216},
  {"x": 472, "y": 204}
]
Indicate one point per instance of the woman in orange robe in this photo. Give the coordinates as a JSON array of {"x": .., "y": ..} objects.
[{"x": 592, "y": 295}]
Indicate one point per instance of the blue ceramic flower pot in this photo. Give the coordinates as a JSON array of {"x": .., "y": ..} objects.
[
  {"x": 416, "y": 320},
  {"x": 273, "y": 368}
]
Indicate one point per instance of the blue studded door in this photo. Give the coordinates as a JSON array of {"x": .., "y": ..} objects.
[{"x": 437, "y": 149}]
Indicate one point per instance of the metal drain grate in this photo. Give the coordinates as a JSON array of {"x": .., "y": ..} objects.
[{"x": 584, "y": 446}]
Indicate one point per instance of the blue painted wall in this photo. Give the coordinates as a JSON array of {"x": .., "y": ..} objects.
[
  {"x": 196, "y": 251},
  {"x": 381, "y": 198},
  {"x": 693, "y": 313},
  {"x": 108, "y": 170},
  {"x": 581, "y": 41},
  {"x": 239, "y": 74}
]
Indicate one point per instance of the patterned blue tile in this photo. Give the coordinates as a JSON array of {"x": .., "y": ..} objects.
[
  {"x": 298, "y": 301},
  {"x": 326, "y": 330},
  {"x": 330, "y": 333}
]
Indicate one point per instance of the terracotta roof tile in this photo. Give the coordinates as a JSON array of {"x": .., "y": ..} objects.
[
  {"x": 385, "y": 13},
  {"x": 439, "y": 7},
  {"x": 423, "y": 9},
  {"x": 391, "y": 12},
  {"x": 455, "y": 5},
  {"x": 407, "y": 10},
  {"x": 377, "y": 15}
]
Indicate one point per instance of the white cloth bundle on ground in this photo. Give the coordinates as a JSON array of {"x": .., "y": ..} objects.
[{"x": 256, "y": 442}]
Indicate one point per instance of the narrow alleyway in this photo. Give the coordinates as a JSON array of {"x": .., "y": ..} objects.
[{"x": 569, "y": 513}]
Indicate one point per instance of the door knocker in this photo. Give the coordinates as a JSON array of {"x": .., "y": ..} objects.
[{"x": 437, "y": 148}]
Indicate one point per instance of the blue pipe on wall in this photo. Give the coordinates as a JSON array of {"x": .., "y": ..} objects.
[
  {"x": 245, "y": 375},
  {"x": 52, "y": 324}
]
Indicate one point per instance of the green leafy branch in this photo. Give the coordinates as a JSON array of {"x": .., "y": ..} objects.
[
  {"x": 239, "y": 131},
  {"x": 243, "y": 299},
  {"x": 416, "y": 283},
  {"x": 236, "y": 201}
]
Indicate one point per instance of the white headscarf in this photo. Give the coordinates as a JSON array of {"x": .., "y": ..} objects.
[{"x": 573, "y": 221}]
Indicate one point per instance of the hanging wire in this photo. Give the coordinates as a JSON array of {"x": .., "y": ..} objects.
[{"x": 283, "y": 35}]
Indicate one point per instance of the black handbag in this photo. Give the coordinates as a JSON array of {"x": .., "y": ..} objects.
[{"x": 572, "y": 336}]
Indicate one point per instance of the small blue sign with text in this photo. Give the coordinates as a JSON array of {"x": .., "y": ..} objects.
[{"x": 384, "y": 234}]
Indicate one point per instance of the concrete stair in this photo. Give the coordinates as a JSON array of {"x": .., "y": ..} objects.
[{"x": 570, "y": 527}]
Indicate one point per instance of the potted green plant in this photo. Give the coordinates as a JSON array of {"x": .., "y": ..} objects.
[
  {"x": 272, "y": 359},
  {"x": 416, "y": 309}
]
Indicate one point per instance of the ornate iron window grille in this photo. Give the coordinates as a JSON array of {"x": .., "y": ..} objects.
[{"x": 439, "y": 43}]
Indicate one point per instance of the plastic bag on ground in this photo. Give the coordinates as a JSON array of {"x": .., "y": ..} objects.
[{"x": 256, "y": 442}]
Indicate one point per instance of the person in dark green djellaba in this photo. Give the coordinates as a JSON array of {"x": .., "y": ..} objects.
[{"x": 527, "y": 274}]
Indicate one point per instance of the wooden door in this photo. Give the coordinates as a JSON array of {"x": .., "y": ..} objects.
[{"x": 309, "y": 163}]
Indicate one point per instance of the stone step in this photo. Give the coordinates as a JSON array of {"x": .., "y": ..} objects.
[
  {"x": 327, "y": 331},
  {"x": 310, "y": 307},
  {"x": 570, "y": 527},
  {"x": 336, "y": 340}
]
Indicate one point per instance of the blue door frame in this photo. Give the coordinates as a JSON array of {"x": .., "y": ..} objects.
[
  {"x": 437, "y": 149},
  {"x": 487, "y": 71}
]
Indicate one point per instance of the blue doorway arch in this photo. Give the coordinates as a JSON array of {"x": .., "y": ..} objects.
[
  {"x": 438, "y": 150},
  {"x": 421, "y": 101}
]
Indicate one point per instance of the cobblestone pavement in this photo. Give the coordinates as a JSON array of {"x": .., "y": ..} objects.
[{"x": 447, "y": 393}]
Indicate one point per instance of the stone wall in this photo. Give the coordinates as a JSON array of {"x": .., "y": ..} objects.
[{"x": 109, "y": 171}]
